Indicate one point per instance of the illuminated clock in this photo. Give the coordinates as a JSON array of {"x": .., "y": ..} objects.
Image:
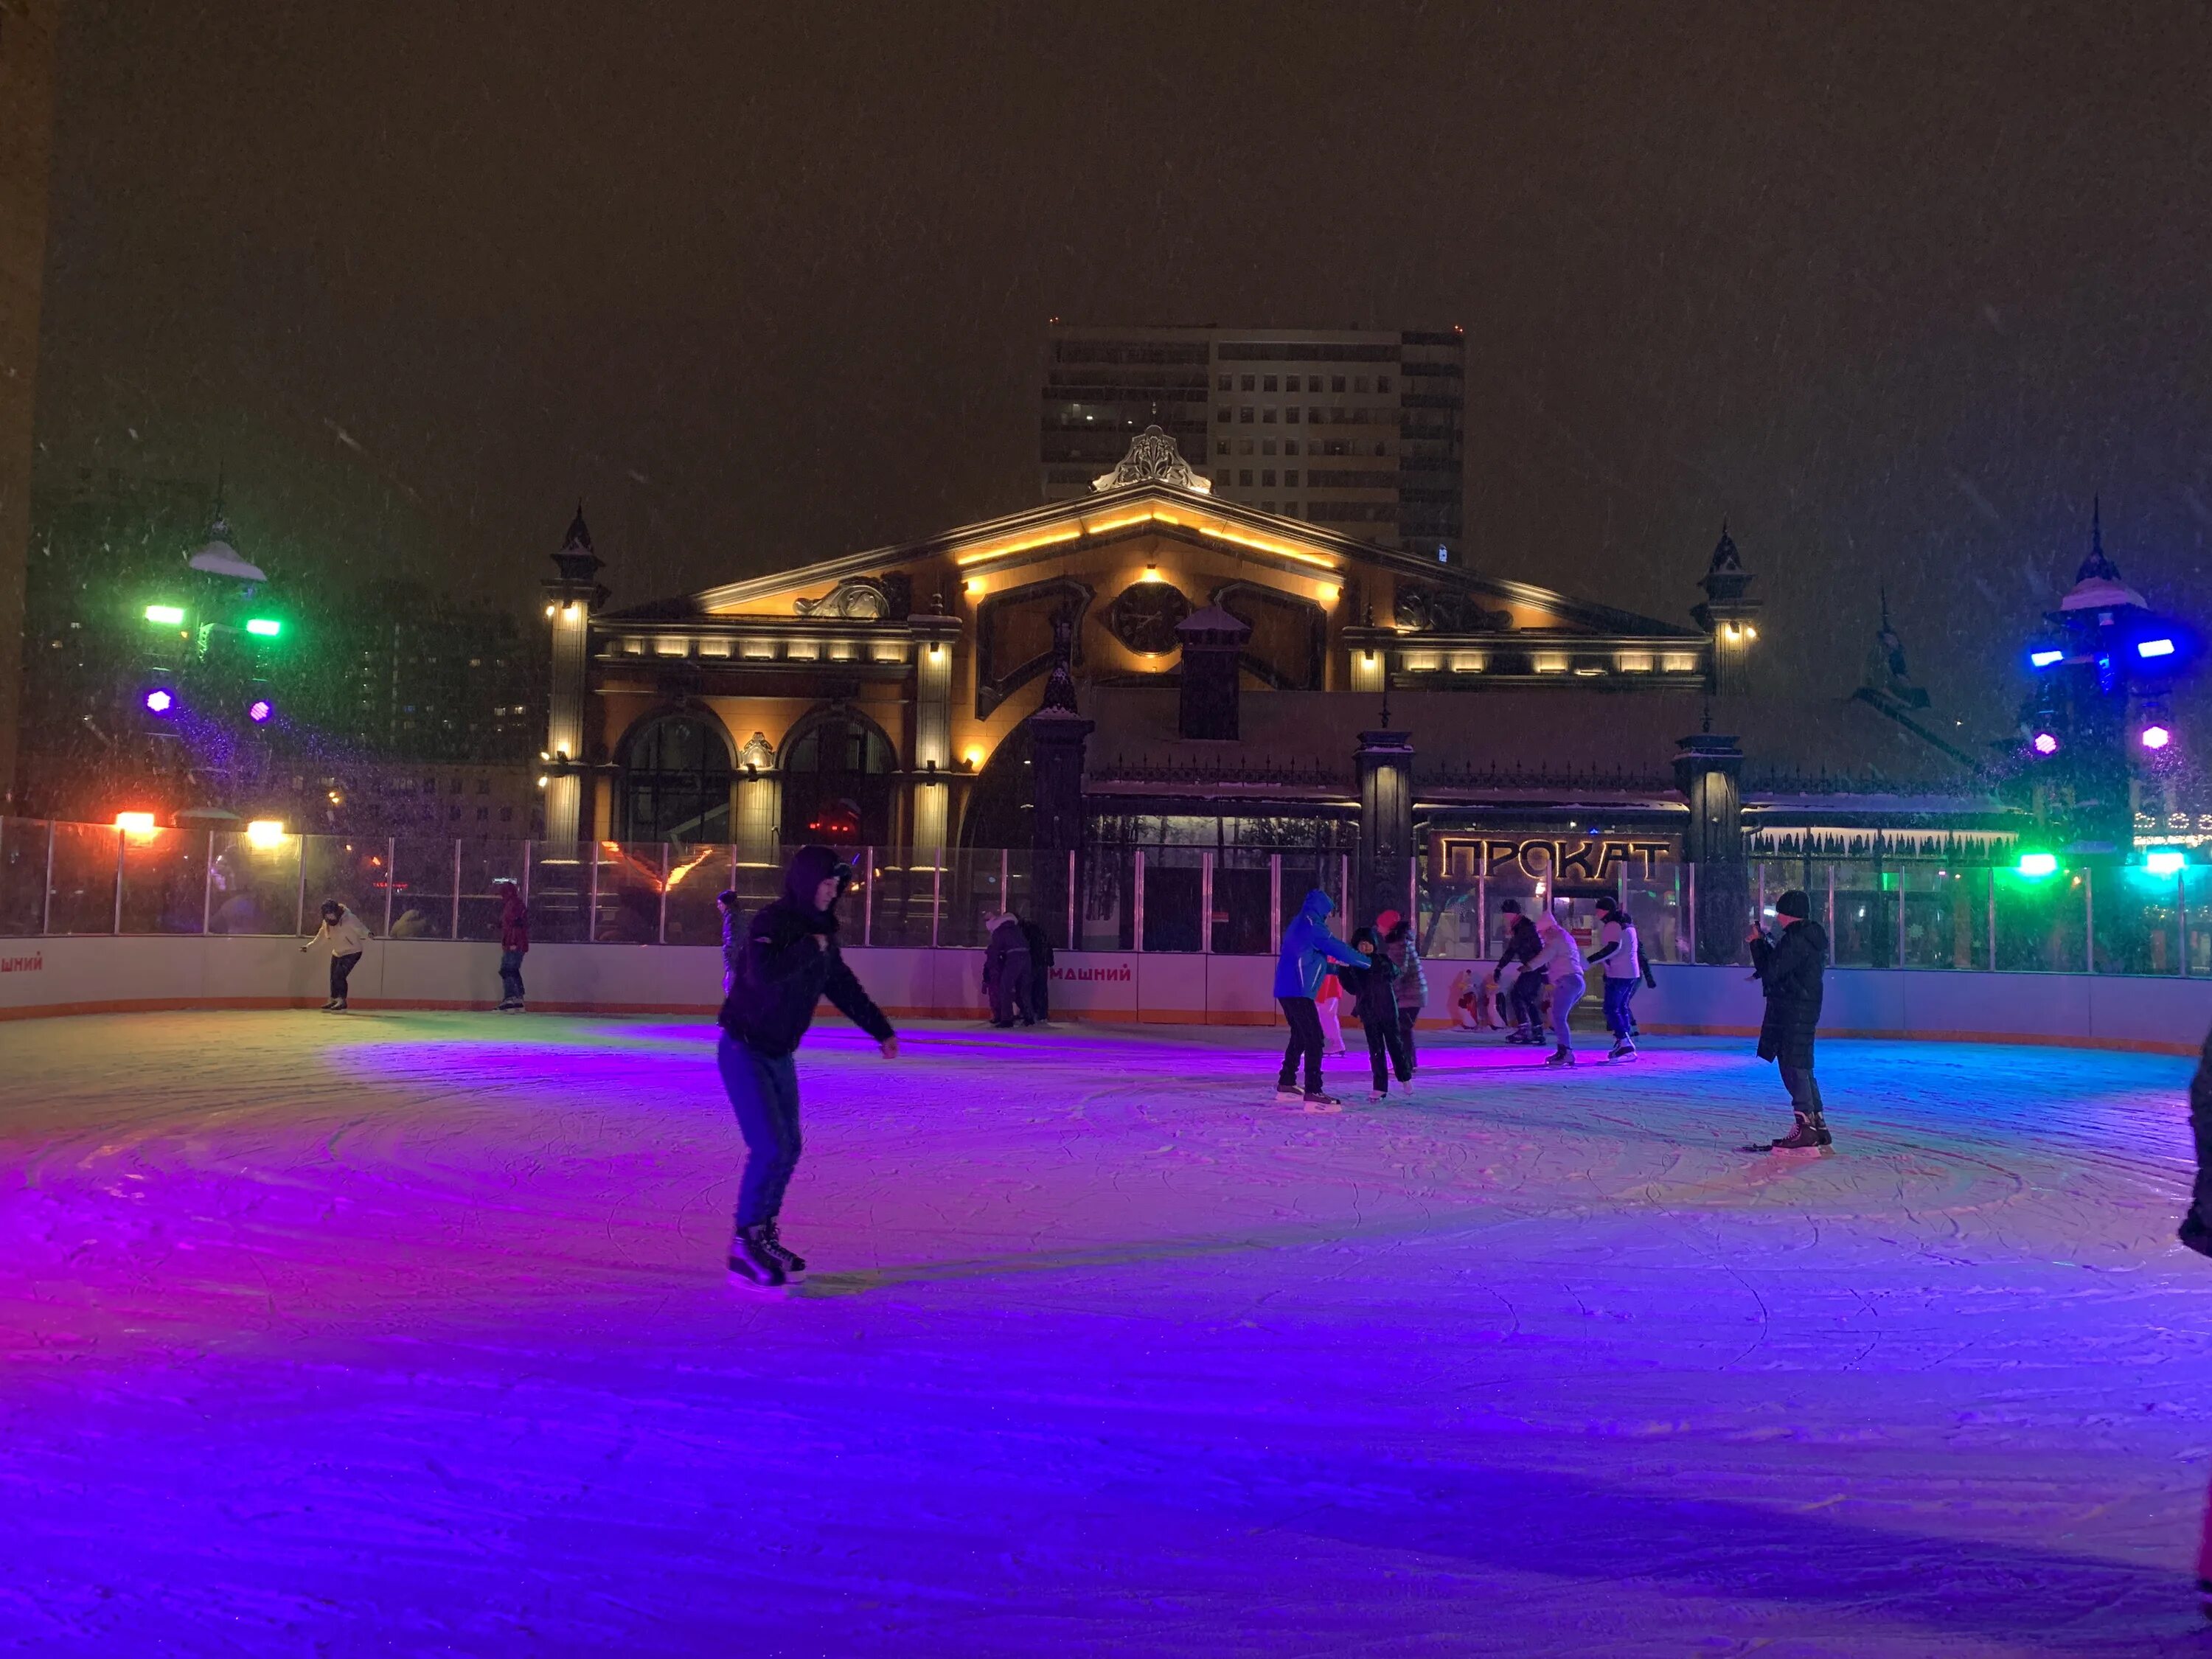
[{"x": 1146, "y": 616}]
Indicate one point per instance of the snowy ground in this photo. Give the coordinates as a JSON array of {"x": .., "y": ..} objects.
[{"x": 408, "y": 1334}]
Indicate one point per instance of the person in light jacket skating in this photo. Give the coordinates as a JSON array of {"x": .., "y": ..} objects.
[
  {"x": 1561, "y": 961},
  {"x": 1789, "y": 971},
  {"x": 1307, "y": 949},
  {"x": 789, "y": 963},
  {"x": 346, "y": 935},
  {"x": 1619, "y": 956}
]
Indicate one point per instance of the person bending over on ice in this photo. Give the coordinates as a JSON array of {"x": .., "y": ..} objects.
[
  {"x": 1561, "y": 962},
  {"x": 1307, "y": 949},
  {"x": 1522, "y": 996},
  {"x": 1007, "y": 972},
  {"x": 345, "y": 933},
  {"x": 1789, "y": 971},
  {"x": 1375, "y": 988},
  {"x": 789, "y": 963}
]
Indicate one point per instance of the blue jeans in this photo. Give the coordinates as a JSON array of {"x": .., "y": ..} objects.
[
  {"x": 763, "y": 1091},
  {"x": 1566, "y": 993},
  {"x": 510, "y": 975},
  {"x": 1619, "y": 1019}
]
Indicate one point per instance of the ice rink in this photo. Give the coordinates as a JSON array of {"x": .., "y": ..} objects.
[{"x": 408, "y": 1334}]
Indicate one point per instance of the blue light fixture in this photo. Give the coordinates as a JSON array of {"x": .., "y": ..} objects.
[
  {"x": 2044, "y": 658},
  {"x": 2165, "y": 860},
  {"x": 2154, "y": 647}
]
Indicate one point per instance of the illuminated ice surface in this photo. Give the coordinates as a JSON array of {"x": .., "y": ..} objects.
[{"x": 408, "y": 1334}]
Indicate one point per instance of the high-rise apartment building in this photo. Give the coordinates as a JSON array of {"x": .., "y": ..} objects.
[
  {"x": 27, "y": 59},
  {"x": 1359, "y": 430}
]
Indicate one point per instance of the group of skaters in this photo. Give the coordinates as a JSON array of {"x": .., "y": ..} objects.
[
  {"x": 1536, "y": 982},
  {"x": 345, "y": 936}
]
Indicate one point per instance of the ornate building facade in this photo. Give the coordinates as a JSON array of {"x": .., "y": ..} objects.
[{"x": 1153, "y": 667}]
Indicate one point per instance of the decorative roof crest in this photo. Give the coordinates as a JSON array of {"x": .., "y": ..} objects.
[{"x": 1153, "y": 458}]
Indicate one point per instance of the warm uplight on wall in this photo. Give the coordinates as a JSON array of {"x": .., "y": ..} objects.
[
  {"x": 549, "y": 610},
  {"x": 973, "y": 754},
  {"x": 543, "y": 780},
  {"x": 135, "y": 824},
  {"x": 937, "y": 653},
  {"x": 572, "y": 612},
  {"x": 265, "y": 833},
  {"x": 1151, "y": 570},
  {"x": 1330, "y": 594}
]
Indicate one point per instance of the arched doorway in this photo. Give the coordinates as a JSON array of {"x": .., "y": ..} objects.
[
  {"x": 838, "y": 782},
  {"x": 676, "y": 782}
]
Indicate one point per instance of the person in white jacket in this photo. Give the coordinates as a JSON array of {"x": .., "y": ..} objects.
[
  {"x": 346, "y": 934},
  {"x": 1562, "y": 958}
]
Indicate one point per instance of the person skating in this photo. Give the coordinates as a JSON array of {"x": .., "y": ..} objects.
[
  {"x": 2195, "y": 1232},
  {"x": 1375, "y": 991},
  {"x": 1561, "y": 961},
  {"x": 789, "y": 963},
  {"x": 346, "y": 935},
  {"x": 1524, "y": 994},
  {"x": 1307, "y": 949},
  {"x": 1040, "y": 972},
  {"x": 1396, "y": 934},
  {"x": 1620, "y": 956},
  {"x": 1790, "y": 971},
  {"x": 1007, "y": 972},
  {"x": 514, "y": 943}
]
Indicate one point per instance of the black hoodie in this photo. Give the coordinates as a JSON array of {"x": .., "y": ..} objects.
[{"x": 785, "y": 974}]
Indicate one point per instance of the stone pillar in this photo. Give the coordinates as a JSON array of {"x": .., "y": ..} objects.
[
  {"x": 570, "y": 598},
  {"x": 1386, "y": 824},
  {"x": 1213, "y": 639},
  {"x": 1706, "y": 770},
  {"x": 1729, "y": 616}
]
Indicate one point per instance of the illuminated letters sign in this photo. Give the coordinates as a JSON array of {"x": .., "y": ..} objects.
[{"x": 1591, "y": 860}]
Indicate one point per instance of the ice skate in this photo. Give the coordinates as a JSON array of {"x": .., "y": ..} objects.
[
  {"x": 1405, "y": 1085},
  {"x": 1562, "y": 1056},
  {"x": 2198, "y": 1237},
  {"x": 1809, "y": 1134},
  {"x": 751, "y": 1260},
  {"x": 789, "y": 1260},
  {"x": 1624, "y": 1049},
  {"x": 332, "y": 1006},
  {"x": 1317, "y": 1100},
  {"x": 1374, "y": 1095},
  {"x": 1287, "y": 1096}
]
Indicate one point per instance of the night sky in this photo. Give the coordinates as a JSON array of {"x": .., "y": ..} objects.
[{"x": 1896, "y": 290}]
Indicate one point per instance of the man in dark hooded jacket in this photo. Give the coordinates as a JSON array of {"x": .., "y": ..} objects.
[
  {"x": 1007, "y": 976},
  {"x": 790, "y": 962},
  {"x": 1307, "y": 949},
  {"x": 1526, "y": 996},
  {"x": 1789, "y": 971}
]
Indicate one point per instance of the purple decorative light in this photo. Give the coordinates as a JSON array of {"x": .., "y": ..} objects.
[
  {"x": 2044, "y": 743},
  {"x": 161, "y": 702},
  {"x": 259, "y": 710},
  {"x": 2156, "y": 737}
]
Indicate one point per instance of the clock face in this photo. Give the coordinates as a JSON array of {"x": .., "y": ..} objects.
[{"x": 1144, "y": 617}]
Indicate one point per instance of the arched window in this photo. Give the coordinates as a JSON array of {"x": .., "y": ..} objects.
[
  {"x": 676, "y": 782},
  {"x": 837, "y": 769}
]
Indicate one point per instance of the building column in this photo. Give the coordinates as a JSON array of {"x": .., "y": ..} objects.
[
  {"x": 1707, "y": 768},
  {"x": 932, "y": 761},
  {"x": 569, "y": 599},
  {"x": 1386, "y": 824}
]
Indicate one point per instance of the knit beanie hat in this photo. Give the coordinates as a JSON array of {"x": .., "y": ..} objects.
[{"x": 1794, "y": 903}]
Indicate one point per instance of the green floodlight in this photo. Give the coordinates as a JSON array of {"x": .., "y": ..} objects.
[
  {"x": 266, "y": 627},
  {"x": 2036, "y": 866},
  {"x": 169, "y": 615}
]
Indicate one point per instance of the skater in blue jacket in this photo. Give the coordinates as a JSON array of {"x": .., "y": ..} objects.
[{"x": 1307, "y": 949}]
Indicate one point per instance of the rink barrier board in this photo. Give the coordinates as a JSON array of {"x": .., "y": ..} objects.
[{"x": 103, "y": 973}]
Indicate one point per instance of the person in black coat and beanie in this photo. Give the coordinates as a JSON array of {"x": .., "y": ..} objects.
[
  {"x": 789, "y": 963},
  {"x": 1375, "y": 991},
  {"x": 1790, "y": 970}
]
